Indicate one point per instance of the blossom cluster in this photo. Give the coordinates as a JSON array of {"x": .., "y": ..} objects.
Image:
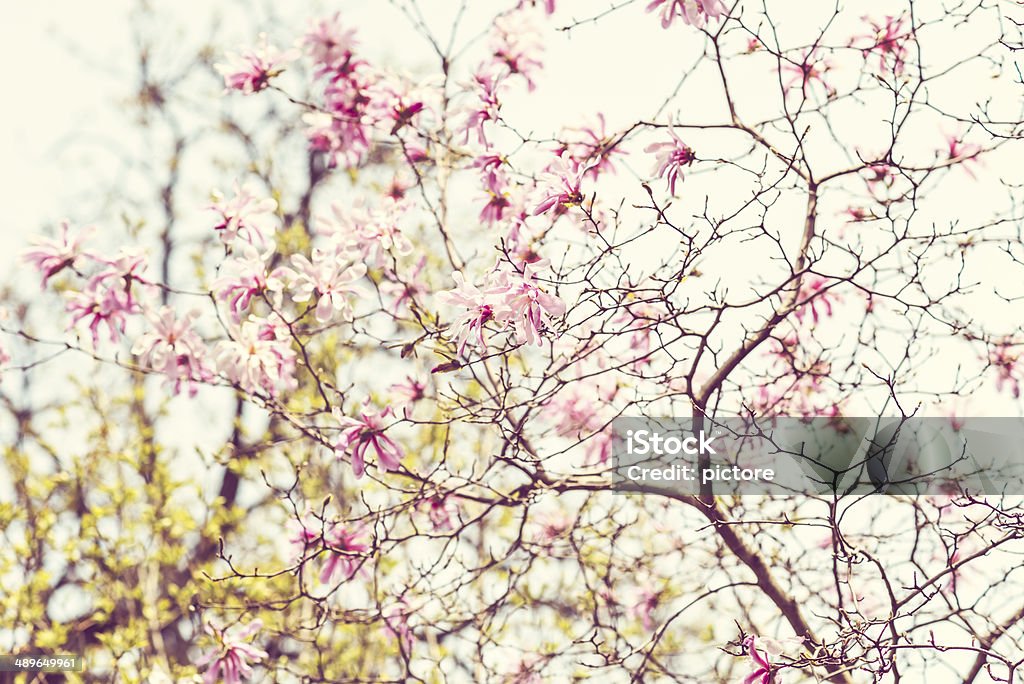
[
  {"x": 510, "y": 299},
  {"x": 357, "y": 99}
]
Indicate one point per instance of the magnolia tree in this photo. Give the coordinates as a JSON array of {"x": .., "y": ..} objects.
[{"x": 350, "y": 419}]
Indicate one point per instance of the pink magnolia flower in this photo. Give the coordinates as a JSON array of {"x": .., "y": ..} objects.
[
  {"x": 345, "y": 552},
  {"x": 511, "y": 299},
  {"x": 521, "y": 239},
  {"x": 416, "y": 153},
  {"x": 761, "y": 650},
  {"x": 326, "y": 277},
  {"x": 487, "y": 108},
  {"x": 1004, "y": 358},
  {"x": 405, "y": 291},
  {"x": 591, "y": 145},
  {"x": 230, "y": 660},
  {"x": 243, "y": 277},
  {"x": 395, "y": 101},
  {"x": 396, "y": 625},
  {"x": 237, "y": 216},
  {"x": 496, "y": 187},
  {"x": 400, "y": 184},
  {"x": 489, "y": 163},
  {"x": 343, "y": 140},
  {"x": 552, "y": 525},
  {"x": 811, "y": 69},
  {"x": 955, "y": 415},
  {"x": 251, "y": 71},
  {"x": 670, "y": 158},
  {"x": 108, "y": 306},
  {"x": 342, "y": 547},
  {"x": 107, "y": 297},
  {"x": 959, "y": 151},
  {"x": 528, "y": 671},
  {"x": 340, "y": 129},
  {"x": 599, "y": 447},
  {"x": 442, "y": 512},
  {"x": 763, "y": 669},
  {"x": 562, "y": 184},
  {"x": 498, "y": 201},
  {"x": 888, "y": 39},
  {"x": 858, "y": 214},
  {"x": 577, "y": 414},
  {"x": 769, "y": 400},
  {"x": 517, "y": 44},
  {"x": 125, "y": 268},
  {"x": 576, "y": 409},
  {"x": 783, "y": 351},
  {"x": 529, "y": 308},
  {"x": 693, "y": 12},
  {"x": 372, "y": 235},
  {"x": 381, "y": 236},
  {"x": 479, "y": 309},
  {"x": 328, "y": 42},
  {"x": 642, "y": 317},
  {"x": 408, "y": 393},
  {"x": 816, "y": 297},
  {"x": 365, "y": 432},
  {"x": 259, "y": 356},
  {"x": 880, "y": 177},
  {"x": 53, "y": 256},
  {"x": 173, "y": 348},
  {"x": 308, "y": 531},
  {"x": 643, "y": 608}
]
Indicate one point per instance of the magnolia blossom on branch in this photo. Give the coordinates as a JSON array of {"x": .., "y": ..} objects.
[
  {"x": 328, "y": 42},
  {"x": 887, "y": 39},
  {"x": 50, "y": 257},
  {"x": 344, "y": 551},
  {"x": 670, "y": 158},
  {"x": 173, "y": 348},
  {"x": 762, "y": 666},
  {"x": 231, "y": 659},
  {"x": 251, "y": 71},
  {"x": 259, "y": 356},
  {"x": 693, "y": 12},
  {"x": 328, "y": 277},
  {"x": 358, "y": 435},
  {"x": 511, "y": 299},
  {"x": 562, "y": 184},
  {"x": 244, "y": 278},
  {"x": 240, "y": 216}
]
